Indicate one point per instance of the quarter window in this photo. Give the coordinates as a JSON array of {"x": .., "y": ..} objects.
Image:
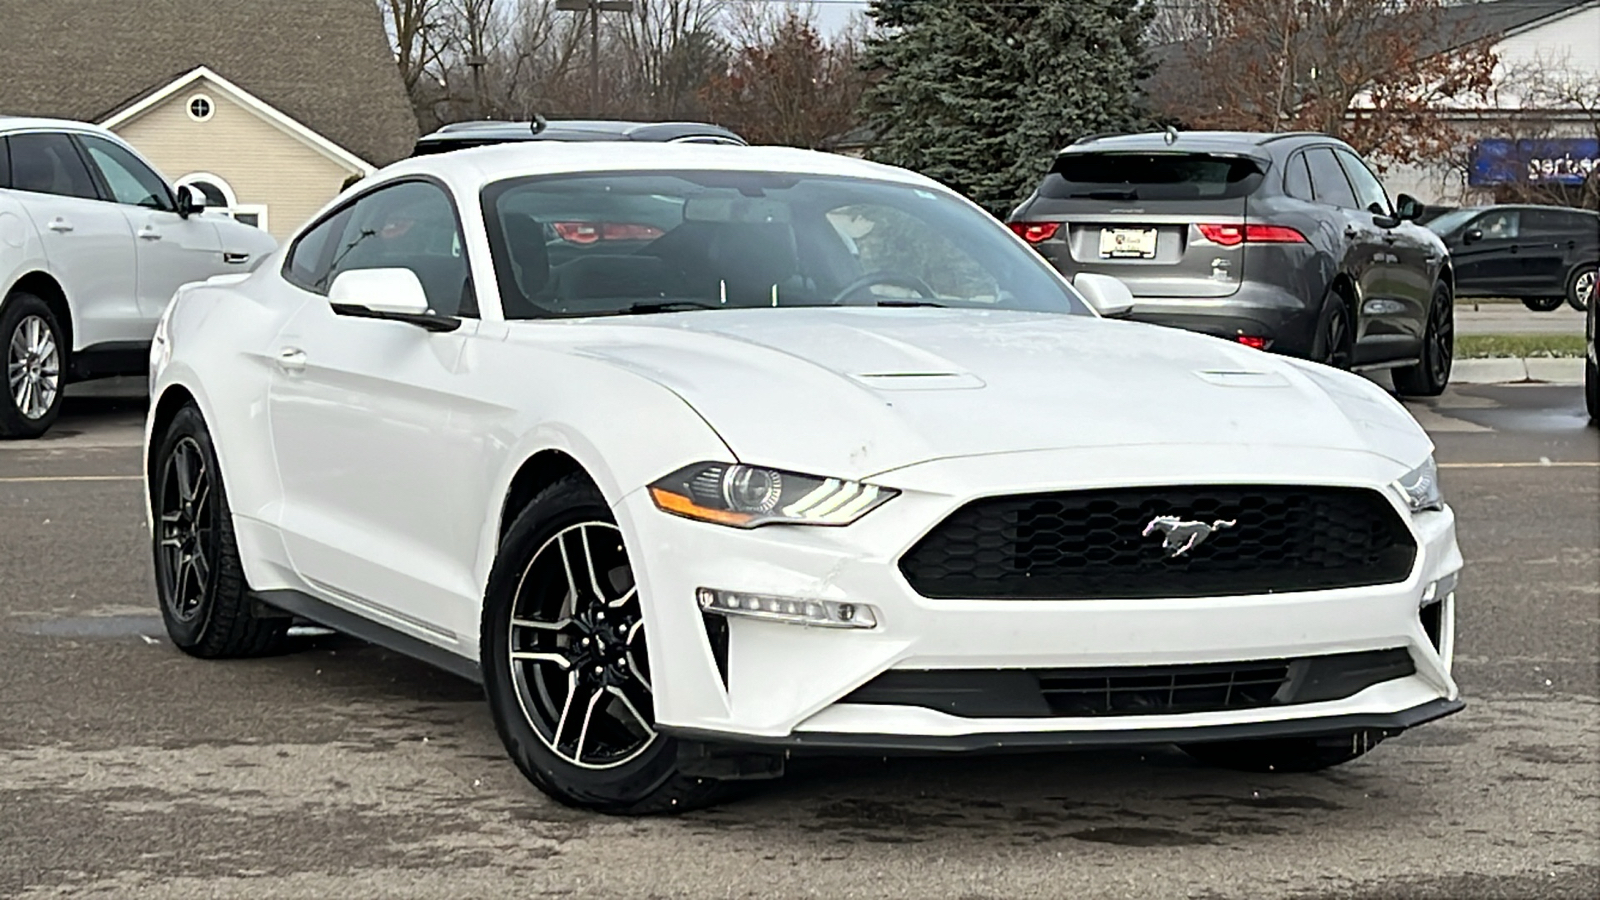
[
  {"x": 1328, "y": 181},
  {"x": 49, "y": 164},
  {"x": 1296, "y": 180},
  {"x": 130, "y": 180},
  {"x": 5, "y": 162},
  {"x": 312, "y": 255},
  {"x": 1369, "y": 190}
]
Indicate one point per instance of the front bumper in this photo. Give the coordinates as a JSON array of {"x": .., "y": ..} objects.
[{"x": 784, "y": 683}]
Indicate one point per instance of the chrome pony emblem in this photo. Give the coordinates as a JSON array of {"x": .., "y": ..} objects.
[{"x": 1184, "y": 536}]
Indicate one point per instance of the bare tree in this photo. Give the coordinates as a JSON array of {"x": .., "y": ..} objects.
[
  {"x": 415, "y": 26},
  {"x": 1381, "y": 74},
  {"x": 671, "y": 47},
  {"x": 786, "y": 83},
  {"x": 1181, "y": 21}
]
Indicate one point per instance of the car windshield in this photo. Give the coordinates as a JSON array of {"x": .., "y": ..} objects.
[
  {"x": 621, "y": 243},
  {"x": 1450, "y": 221}
]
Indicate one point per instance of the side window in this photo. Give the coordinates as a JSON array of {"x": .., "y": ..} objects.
[
  {"x": 1369, "y": 190},
  {"x": 130, "y": 180},
  {"x": 5, "y": 162},
  {"x": 311, "y": 256},
  {"x": 49, "y": 164},
  {"x": 1328, "y": 181},
  {"x": 1296, "y": 180},
  {"x": 1499, "y": 225},
  {"x": 410, "y": 225}
]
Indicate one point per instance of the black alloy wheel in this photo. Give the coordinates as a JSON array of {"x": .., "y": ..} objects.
[
  {"x": 1334, "y": 344},
  {"x": 205, "y": 602},
  {"x": 565, "y": 663},
  {"x": 1543, "y": 304},
  {"x": 1431, "y": 375}
]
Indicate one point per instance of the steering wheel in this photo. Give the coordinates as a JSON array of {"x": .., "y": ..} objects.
[{"x": 896, "y": 279}]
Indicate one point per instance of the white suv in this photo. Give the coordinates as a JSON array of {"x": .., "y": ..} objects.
[{"x": 93, "y": 243}]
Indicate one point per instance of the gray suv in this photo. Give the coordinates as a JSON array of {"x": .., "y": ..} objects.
[{"x": 1285, "y": 242}]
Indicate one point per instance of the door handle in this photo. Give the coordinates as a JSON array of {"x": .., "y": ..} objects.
[
  {"x": 234, "y": 259},
  {"x": 60, "y": 225},
  {"x": 149, "y": 234},
  {"x": 1515, "y": 248},
  {"x": 292, "y": 359}
]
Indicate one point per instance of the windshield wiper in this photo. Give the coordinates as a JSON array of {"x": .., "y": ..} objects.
[
  {"x": 660, "y": 306},
  {"x": 905, "y": 303},
  {"x": 1107, "y": 195}
]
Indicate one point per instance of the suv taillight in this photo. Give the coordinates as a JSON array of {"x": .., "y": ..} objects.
[
  {"x": 1036, "y": 232},
  {"x": 1234, "y": 235}
]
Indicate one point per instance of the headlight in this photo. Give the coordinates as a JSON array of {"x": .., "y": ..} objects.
[
  {"x": 747, "y": 496},
  {"x": 1420, "y": 487}
]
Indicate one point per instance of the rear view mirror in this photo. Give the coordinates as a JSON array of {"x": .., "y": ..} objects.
[
  {"x": 190, "y": 201},
  {"x": 1108, "y": 295},
  {"x": 394, "y": 294}
]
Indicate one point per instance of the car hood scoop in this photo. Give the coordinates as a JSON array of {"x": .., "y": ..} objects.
[{"x": 853, "y": 391}]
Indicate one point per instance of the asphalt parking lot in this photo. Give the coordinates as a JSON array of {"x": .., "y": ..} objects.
[{"x": 130, "y": 770}]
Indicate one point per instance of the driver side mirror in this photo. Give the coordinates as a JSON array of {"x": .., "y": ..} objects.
[
  {"x": 1108, "y": 295},
  {"x": 1407, "y": 208},
  {"x": 190, "y": 201},
  {"x": 1472, "y": 236},
  {"x": 395, "y": 294}
]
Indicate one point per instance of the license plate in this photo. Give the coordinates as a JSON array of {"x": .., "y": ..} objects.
[{"x": 1127, "y": 243}]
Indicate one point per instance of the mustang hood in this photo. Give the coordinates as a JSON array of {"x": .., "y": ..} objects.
[{"x": 853, "y": 392}]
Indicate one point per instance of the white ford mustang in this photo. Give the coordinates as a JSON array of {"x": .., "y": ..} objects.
[{"x": 699, "y": 457}]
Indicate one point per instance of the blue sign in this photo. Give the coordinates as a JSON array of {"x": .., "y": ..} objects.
[{"x": 1550, "y": 161}]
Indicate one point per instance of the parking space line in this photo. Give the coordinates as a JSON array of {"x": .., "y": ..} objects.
[
  {"x": 1522, "y": 465},
  {"x": 33, "y": 479}
]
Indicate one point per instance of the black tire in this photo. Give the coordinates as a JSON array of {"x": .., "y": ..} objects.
[
  {"x": 631, "y": 769},
  {"x": 25, "y": 320},
  {"x": 1334, "y": 343},
  {"x": 1591, "y": 390},
  {"x": 1431, "y": 375},
  {"x": 1307, "y": 754},
  {"x": 205, "y": 601},
  {"x": 1581, "y": 285},
  {"x": 1543, "y": 304}
]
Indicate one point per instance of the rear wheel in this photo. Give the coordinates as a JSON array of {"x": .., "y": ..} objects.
[
  {"x": 1580, "y": 287},
  {"x": 34, "y": 360},
  {"x": 565, "y": 665},
  {"x": 205, "y": 602},
  {"x": 1431, "y": 374},
  {"x": 1307, "y": 754},
  {"x": 1543, "y": 304},
  {"x": 1591, "y": 390},
  {"x": 1334, "y": 344}
]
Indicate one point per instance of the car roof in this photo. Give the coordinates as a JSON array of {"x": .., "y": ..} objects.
[
  {"x": 39, "y": 123},
  {"x": 1247, "y": 142},
  {"x": 467, "y": 134},
  {"x": 497, "y": 162}
]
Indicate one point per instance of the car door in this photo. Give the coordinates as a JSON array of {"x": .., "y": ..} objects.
[
  {"x": 1366, "y": 257},
  {"x": 1488, "y": 254},
  {"x": 361, "y": 414},
  {"x": 1547, "y": 237},
  {"x": 1396, "y": 319},
  {"x": 87, "y": 242},
  {"x": 171, "y": 249}
]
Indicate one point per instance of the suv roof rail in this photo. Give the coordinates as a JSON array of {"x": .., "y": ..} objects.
[
  {"x": 1283, "y": 135},
  {"x": 1096, "y": 136}
]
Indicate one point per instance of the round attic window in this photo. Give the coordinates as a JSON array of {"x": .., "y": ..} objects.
[{"x": 200, "y": 107}]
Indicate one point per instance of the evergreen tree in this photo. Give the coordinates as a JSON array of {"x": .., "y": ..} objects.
[{"x": 980, "y": 95}]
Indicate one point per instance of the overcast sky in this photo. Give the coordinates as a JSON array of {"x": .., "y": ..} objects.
[{"x": 834, "y": 15}]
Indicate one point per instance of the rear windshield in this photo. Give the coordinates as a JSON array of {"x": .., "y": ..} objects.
[{"x": 1150, "y": 176}]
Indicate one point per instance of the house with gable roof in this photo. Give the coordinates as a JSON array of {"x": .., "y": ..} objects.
[{"x": 265, "y": 106}]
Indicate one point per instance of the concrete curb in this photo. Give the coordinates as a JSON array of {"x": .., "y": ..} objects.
[{"x": 1511, "y": 371}]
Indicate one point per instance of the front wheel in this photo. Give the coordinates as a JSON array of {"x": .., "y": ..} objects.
[
  {"x": 205, "y": 602},
  {"x": 1431, "y": 375},
  {"x": 1580, "y": 287},
  {"x": 34, "y": 356},
  {"x": 565, "y": 663},
  {"x": 1307, "y": 754},
  {"x": 1543, "y": 304}
]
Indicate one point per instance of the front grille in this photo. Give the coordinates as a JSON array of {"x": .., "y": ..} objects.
[
  {"x": 1091, "y": 544},
  {"x": 1138, "y": 690}
]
